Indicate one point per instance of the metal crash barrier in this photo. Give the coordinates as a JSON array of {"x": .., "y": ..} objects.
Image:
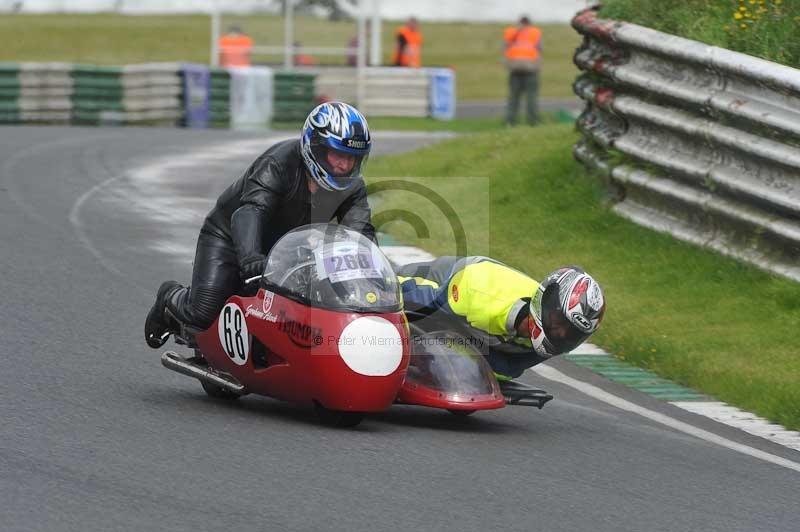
[{"x": 697, "y": 141}]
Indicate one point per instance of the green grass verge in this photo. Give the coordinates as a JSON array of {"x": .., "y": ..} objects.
[
  {"x": 689, "y": 314},
  {"x": 769, "y": 29},
  {"x": 474, "y": 50},
  {"x": 461, "y": 125}
]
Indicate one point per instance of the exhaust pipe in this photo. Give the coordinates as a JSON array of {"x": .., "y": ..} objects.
[{"x": 175, "y": 362}]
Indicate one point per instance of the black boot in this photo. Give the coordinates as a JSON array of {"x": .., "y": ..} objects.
[{"x": 157, "y": 325}]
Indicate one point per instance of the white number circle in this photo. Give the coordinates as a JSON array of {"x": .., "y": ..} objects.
[{"x": 233, "y": 335}]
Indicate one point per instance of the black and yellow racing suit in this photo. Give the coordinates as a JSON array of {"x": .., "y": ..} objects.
[{"x": 487, "y": 299}]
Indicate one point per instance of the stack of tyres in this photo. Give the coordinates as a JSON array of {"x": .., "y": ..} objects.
[
  {"x": 148, "y": 93},
  {"x": 220, "y": 97},
  {"x": 294, "y": 96},
  {"x": 98, "y": 95},
  {"x": 9, "y": 93}
]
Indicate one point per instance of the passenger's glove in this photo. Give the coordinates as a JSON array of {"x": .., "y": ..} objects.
[{"x": 252, "y": 266}]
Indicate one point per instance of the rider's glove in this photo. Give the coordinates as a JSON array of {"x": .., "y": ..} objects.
[{"x": 252, "y": 266}]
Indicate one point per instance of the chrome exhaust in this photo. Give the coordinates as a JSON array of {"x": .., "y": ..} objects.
[{"x": 175, "y": 362}]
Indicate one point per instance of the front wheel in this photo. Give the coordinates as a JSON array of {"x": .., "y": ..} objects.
[{"x": 338, "y": 418}]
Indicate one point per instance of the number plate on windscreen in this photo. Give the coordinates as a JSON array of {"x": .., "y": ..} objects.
[{"x": 345, "y": 262}]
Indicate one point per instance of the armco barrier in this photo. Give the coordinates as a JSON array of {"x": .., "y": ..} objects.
[{"x": 705, "y": 141}]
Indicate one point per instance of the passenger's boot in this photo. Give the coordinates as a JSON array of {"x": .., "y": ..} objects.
[{"x": 159, "y": 324}]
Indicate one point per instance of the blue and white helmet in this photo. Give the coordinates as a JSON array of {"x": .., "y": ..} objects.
[{"x": 338, "y": 127}]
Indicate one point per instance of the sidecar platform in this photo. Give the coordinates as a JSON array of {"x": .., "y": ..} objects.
[{"x": 520, "y": 394}]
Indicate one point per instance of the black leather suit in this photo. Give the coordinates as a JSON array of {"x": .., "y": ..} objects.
[{"x": 270, "y": 199}]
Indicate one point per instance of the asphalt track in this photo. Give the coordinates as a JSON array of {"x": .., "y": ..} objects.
[{"x": 96, "y": 436}]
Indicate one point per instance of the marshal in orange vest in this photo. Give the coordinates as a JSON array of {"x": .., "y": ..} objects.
[
  {"x": 234, "y": 49},
  {"x": 523, "y": 46},
  {"x": 409, "y": 45}
]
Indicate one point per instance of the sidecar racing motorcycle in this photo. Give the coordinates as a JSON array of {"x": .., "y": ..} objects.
[{"x": 326, "y": 326}]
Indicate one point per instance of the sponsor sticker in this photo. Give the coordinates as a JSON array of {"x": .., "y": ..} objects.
[
  {"x": 266, "y": 306},
  {"x": 581, "y": 321},
  {"x": 260, "y": 314},
  {"x": 455, "y": 292},
  {"x": 357, "y": 144},
  {"x": 344, "y": 262},
  {"x": 301, "y": 334}
]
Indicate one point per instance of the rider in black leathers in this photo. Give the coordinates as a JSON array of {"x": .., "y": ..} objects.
[{"x": 292, "y": 184}]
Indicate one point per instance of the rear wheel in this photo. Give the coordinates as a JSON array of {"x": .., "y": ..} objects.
[
  {"x": 462, "y": 413},
  {"x": 218, "y": 392},
  {"x": 338, "y": 418}
]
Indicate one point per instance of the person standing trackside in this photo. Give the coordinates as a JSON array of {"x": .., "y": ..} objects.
[
  {"x": 409, "y": 45},
  {"x": 234, "y": 48},
  {"x": 523, "y": 48}
]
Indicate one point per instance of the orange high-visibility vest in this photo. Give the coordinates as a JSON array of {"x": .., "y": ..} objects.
[
  {"x": 410, "y": 56},
  {"x": 523, "y": 44},
  {"x": 234, "y": 50}
]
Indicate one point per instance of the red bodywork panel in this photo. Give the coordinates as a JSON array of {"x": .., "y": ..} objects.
[
  {"x": 417, "y": 394},
  {"x": 303, "y": 361}
]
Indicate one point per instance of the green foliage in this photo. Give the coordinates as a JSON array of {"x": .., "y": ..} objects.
[
  {"x": 769, "y": 29},
  {"x": 690, "y": 314}
]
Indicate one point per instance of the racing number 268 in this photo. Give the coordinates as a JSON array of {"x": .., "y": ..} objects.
[
  {"x": 232, "y": 323},
  {"x": 350, "y": 262}
]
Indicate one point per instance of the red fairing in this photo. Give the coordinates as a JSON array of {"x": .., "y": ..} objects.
[
  {"x": 413, "y": 393},
  {"x": 344, "y": 360}
]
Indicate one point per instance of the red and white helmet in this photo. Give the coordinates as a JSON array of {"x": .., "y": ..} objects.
[{"x": 566, "y": 309}]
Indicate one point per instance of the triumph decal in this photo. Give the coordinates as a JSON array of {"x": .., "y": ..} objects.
[
  {"x": 301, "y": 334},
  {"x": 233, "y": 335}
]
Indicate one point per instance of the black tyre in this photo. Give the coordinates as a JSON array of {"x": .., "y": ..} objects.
[
  {"x": 218, "y": 393},
  {"x": 462, "y": 413},
  {"x": 338, "y": 418}
]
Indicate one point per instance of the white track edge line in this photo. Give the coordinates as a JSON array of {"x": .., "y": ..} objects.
[{"x": 593, "y": 391}]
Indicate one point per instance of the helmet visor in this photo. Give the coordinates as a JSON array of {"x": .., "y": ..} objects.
[
  {"x": 563, "y": 335},
  {"x": 339, "y": 164}
]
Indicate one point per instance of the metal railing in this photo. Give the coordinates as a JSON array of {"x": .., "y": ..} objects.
[{"x": 697, "y": 141}]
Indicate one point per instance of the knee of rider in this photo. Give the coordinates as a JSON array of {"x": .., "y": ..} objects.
[{"x": 205, "y": 306}]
